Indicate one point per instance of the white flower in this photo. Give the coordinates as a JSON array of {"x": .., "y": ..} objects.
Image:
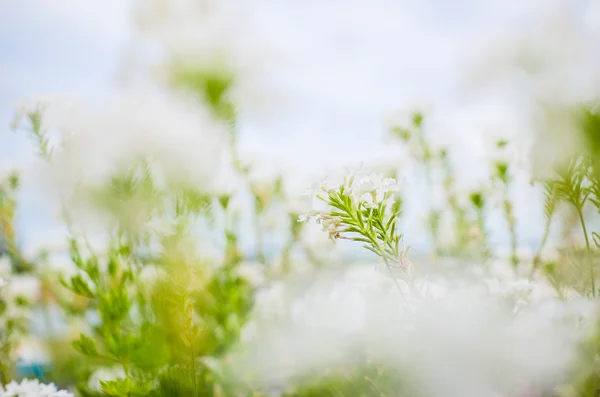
[
  {"x": 373, "y": 189},
  {"x": 49, "y": 104},
  {"x": 180, "y": 140},
  {"x": 32, "y": 388},
  {"x": 270, "y": 301}
]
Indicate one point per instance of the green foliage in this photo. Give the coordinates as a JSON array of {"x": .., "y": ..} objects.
[
  {"x": 126, "y": 388},
  {"x": 357, "y": 381}
]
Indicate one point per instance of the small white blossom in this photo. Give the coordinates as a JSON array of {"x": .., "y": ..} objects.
[
  {"x": 364, "y": 191},
  {"x": 32, "y": 388}
]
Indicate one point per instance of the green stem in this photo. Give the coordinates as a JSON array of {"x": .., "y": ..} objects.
[
  {"x": 589, "y": 251},
  {"x": 484, "y": 237},
  {"x": 510, "y": 219},
  {"x": 538, "y": 254}
]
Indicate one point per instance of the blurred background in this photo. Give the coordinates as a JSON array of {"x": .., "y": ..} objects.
[{"x": 156, "y": 155}]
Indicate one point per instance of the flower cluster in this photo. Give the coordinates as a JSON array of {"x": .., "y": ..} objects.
[
  {"x": 32, "y": 388},
  {"x": 361, "y": 208},
  {"x": 354, "y": 193}
]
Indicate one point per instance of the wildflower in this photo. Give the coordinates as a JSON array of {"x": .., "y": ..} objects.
[
  {"x": 306, "y": 217},
  {"x": 373, "y": 189},
  {"x": 355, "y": 203},
  {"x": 32, "y": 388},
  {"x": 363, "y": 208}
]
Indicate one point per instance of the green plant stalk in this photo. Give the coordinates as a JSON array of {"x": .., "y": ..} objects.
[
  {"x": 589, "y": 251},
  {"x": 484, "y": 238},
  {"x": 538, "y": 254},
  {"x": 3, "y": 365},
  {"x": 383, "y": 254},
  {"x": 434, "y": 229},
  {"x": 510, "y": 219}
]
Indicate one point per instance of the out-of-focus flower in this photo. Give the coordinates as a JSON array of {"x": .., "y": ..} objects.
[
  {"x": 50, "y": 106},
  {"x": 178, "y": 140},
  {"x": 27, "y": 287},
  {"x": 319, "y": 245},
  {"x": 254, "y": 272},
  {"x": 209, "y": 253},
  {"x": 32, "y": 388},
  {"x": 5, "y": 266},
  {"x": 270, "y": 302}
]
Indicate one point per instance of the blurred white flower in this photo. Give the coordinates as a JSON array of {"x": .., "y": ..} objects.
[
  {"x": 150, "y": 274},
  {"x": 254, "y": 272},
  {"x": 461, "y": 337},
  {"x": 32, "y": 388},
  {"x": 320, "y": 245},
  {"x": 313, "y": 312},
  {"x": 178, "y": 138},
  {"x": 355, "y": 190},
  {"x": 297, "y": 199},
  {"x": 249, "y": 332},
  {"x": 270, "y": 302},
  {"x": 227, "y": 179},
  {"x": 52, "y": 107},
  {"x": 210, "y": 254},
  {"x": 24, "y": 286},
  {"x": 297, "y": 264}
]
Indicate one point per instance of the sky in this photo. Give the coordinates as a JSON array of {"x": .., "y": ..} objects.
[{"x": 327, "y": 74}]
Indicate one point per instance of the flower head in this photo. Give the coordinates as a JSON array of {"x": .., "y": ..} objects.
[
  {"x": 32, "y": 388},
  {"x": 360, "y": 207}
]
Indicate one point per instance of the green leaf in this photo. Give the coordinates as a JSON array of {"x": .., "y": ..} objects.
[
  {"x": 81, "y": 287},
  {"x": 550, "y": 200},
  {"x": 85, "y": 346}
]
